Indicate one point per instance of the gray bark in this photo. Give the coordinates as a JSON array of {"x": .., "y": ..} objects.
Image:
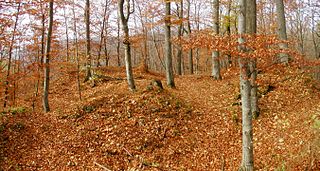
[
  {"x": 118, "y": 42},
  {"x": 47, "y": 61},
  {"x": 180, "y": 34},
  {"x": 215, "y": 54},
  {"x": 251, "y": 15},
  {"x": 190, "y": 53},
  {"x": 124, "y": 18},
  {"x": 168, "y": 46},
  {"x": 228, "y": 30},
  {"x": 76, "y": 51},
  {"x": 282, "y": 31},
  {"x": 67, "y": 33},
  {"x": 88, "y": 41},
  {"x": 245, "y": 90}
]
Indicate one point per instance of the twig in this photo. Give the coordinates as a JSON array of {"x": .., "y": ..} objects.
[
  {"x": 103, "y": 167},
  {"x": 128, "y": 152}
]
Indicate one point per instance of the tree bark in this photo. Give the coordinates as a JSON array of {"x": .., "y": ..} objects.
[
  {"x": 168, "y": 46},
  {"x": 251, "y": 14},
  {"x": 118, "y": 41},
  {"x": 47, "y": 61},
  {"x": 282, "y": 31},
  {"x": 215, "y": 54},
  {"x": 190, "y": 53},
  {"x": 88, "y": 41},
  {"x": 76, "y": 51},
  {"x": 180, "y": 34},
  {"x": 245, "y": 90},
  {"x": 67, "y": 33},
  {"x": 228, "y": 30},
  {"x": 102, "y": 36},
  {"x": 126, "y": 42}
]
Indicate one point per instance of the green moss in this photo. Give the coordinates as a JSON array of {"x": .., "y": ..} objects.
[{"x": 17, "y": 110}]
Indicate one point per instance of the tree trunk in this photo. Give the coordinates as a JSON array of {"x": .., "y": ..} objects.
[
  {"x": 102, "y": 37},
  {"x": 190, "y": 53},
  {"x": 76, "y": 51},
  {"x": 314, "y": 41},
  {"x": 228, "y": 30},
  {"x": 144, "y": 61},
  {"x": 47, "y": 61},
  {"x": 282, "y": 33},
  {"x": 215, "y": 54},
  {"x": 118, "y": 42},
  {"x": 88, "y": 41},
  {"x": 157, "y": 49},
  {"x": 106, "y": 52},
  {"x": 251, "y": 14},
  {"x": 67, "y": 33},
  {"x": 126, "y": 42},
  {"x": 6, "y": 92},
  {"x": 168, "y": 46},
  {"x": 245, "y": 90},
  {"x": 180, "y": 34}
]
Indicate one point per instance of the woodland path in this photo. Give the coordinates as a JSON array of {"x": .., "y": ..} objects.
[{"x": 217, "y": 135}]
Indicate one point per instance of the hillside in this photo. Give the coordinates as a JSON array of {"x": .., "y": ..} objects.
[{"x": 194, "y": 127}]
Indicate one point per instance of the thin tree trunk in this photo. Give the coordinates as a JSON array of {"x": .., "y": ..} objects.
[
  {"x": 245, "y": 89},
  {"x": 156, "y": 48},
  {"x": 88, "y": 41},
  {"x": 67, "y": 33},
  {"x": 190, "y": 53},
  {"x": 118, "y": 42},
  {"x": 106, "y": 52},
  {"x": 313, "y": 32},
  {"x": 102, "y": 37},
  {"x": 76, "y": 51},
  {"x": 126, "y": 42},
  {"x": 41, "y": 58},
  {"x": 47, "y": 61},
  {"x": 180, "y": 34},
  {"x": 197, "y": 22},
  {"x": 282, "y": 33},
  {"x": 37, "y": 83},
  {"x": 168, "y": 46},
  {"x": 215, "y": 54},
  {"x": 228, "y": 30},
  {"x": 6, "y": 92}
]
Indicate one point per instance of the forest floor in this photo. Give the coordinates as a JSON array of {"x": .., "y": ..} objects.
[{"x": 196, "y": 126}]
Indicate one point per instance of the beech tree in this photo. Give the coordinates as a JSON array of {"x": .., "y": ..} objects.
[
  {"x": 215, "y": 54},
  {"x": 180, "y": 34},
  {"x": 168, "y": 46},
  {"x": 190, "y": 53},
  {"x": 245, "y": 90},
  {"x": 251, "y": 15},
  {"x": 47, "y": 61},
  {"x": 282, "y": 31},
  {"x": 124, "y": 13},
  {"x": 88, "y": 41}
]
